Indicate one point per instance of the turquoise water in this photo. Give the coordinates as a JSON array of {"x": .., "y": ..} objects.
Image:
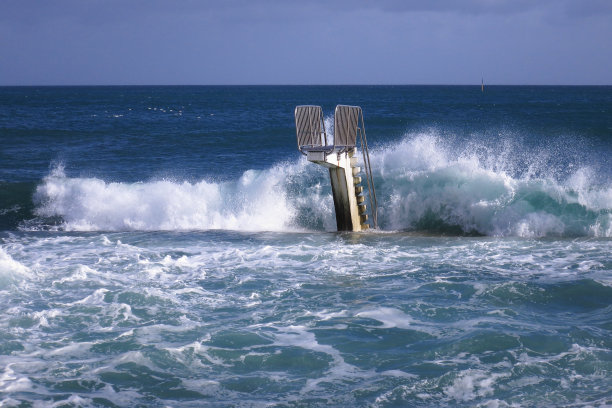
[{"x": 168, "y": 246}]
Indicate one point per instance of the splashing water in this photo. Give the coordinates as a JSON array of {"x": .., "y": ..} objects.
[
  {"x": 165, "y": 266},
  {"x": 422, "y": 185}
]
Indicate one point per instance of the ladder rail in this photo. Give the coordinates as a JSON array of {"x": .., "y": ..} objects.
[{"x": 368, "y": 169}]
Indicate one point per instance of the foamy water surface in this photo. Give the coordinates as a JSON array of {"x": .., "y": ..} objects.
[
  {"x": 422, "y": 184},
  {"x": 169, "y": 247},
  {"x": 178, "y": 318}
]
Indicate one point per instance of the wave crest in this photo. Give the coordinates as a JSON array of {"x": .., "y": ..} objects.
[
  {"x": 424, "y": 183},
  {"x": 436, "y": 187},
  {"x": 254, "y": 202}
]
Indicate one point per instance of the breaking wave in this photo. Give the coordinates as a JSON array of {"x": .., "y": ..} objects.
[
  {"x": 434, "y": 187},
  {"x": 255, "y": 202},
  {"x": 424, "y": 184},
  {"x": 11, "y": 270}
]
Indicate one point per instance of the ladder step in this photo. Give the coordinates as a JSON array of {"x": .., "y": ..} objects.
[
  {"x": 356, "y": 180},
  {"x": 351, "y": 152},
  {"x": 360, "y": 199},
  {"x": 358, "y": 190},
  {"x": 363, "y": 218},
  {"x": 361, "y": 209},
  {"x": 353, "y": 161},
  {"x": 365, "y": 226},
  {"x": 356, "y": 170}
]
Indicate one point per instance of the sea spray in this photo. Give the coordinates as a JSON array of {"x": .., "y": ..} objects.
[
  {"x": 423, "y": 185},
  {"x": 254, "y": 202},
  {"x": 428, "y": 184}
]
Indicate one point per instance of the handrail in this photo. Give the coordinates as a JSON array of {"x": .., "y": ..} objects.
[{"x": 368, "y": 170}]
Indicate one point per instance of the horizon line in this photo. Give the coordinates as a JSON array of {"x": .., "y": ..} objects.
[{"x": 262, "y": 85}]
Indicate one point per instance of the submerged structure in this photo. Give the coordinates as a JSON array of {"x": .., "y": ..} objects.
[{"x": 340, "y": 158}]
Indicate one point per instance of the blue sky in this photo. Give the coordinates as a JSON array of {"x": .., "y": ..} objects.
[{"x": 305, "y": 42}]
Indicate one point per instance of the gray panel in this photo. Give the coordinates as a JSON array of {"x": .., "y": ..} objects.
[
  {"x": 308, "y": 123},
  {"x": 346, "y": 123}
]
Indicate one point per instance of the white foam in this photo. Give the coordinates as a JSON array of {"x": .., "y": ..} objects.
[
  {"x": 73, "y": 400},
  {"x": 96, "y": 298},
  {"x": 136, "y": 357},
  {"x": 580, "y": 182},
  {"x": 300, "y": 336},
  {"x": 11, "y": 270},
  {"x": 75, "y": 350},
  {"x": 198, "y": 349},
  {"x": 10, "y": 266},
  {"x": 81, "y": 273},
  {"x": 495, "y": 403},
  {"x": 421, "y": 180},
  {"x": 422, "y": 183},
  {"x": 254, "y": 202},
  {"x": 471, "y": 384},
  {"x": 43, "y": 316},
  {"x": 538, "y": 224},
  {"x": 389, "y": 317},
  {"x": 10, "y": 381},
  {"x": 327, "y": 315}
]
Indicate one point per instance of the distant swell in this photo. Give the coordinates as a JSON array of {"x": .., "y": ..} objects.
[{"x": 423, "y": 185}]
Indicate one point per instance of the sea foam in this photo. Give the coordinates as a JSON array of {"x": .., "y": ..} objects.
[
  {"x": 11, "y": 270},
  {"x": 423, "y": 184},
  {"x": 254, "y": 202},
  {"x": 430, "y": 185}
]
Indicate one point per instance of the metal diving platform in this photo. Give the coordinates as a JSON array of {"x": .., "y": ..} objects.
[{"x": 341, "y": 160}]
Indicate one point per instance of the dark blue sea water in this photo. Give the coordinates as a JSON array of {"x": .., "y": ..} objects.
[{"x": 169, "y": 246}]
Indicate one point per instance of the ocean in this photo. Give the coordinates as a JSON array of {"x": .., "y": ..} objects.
[{"x": 170, "y": 247}]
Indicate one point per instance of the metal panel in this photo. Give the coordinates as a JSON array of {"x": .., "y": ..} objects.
[
  {"x": 309, "y": 126},
  {"x": 316, "y": 156},
  {"x": 346, "y": 123}
]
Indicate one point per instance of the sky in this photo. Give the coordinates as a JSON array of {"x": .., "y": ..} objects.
[{"x": 233, "y": 42}]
